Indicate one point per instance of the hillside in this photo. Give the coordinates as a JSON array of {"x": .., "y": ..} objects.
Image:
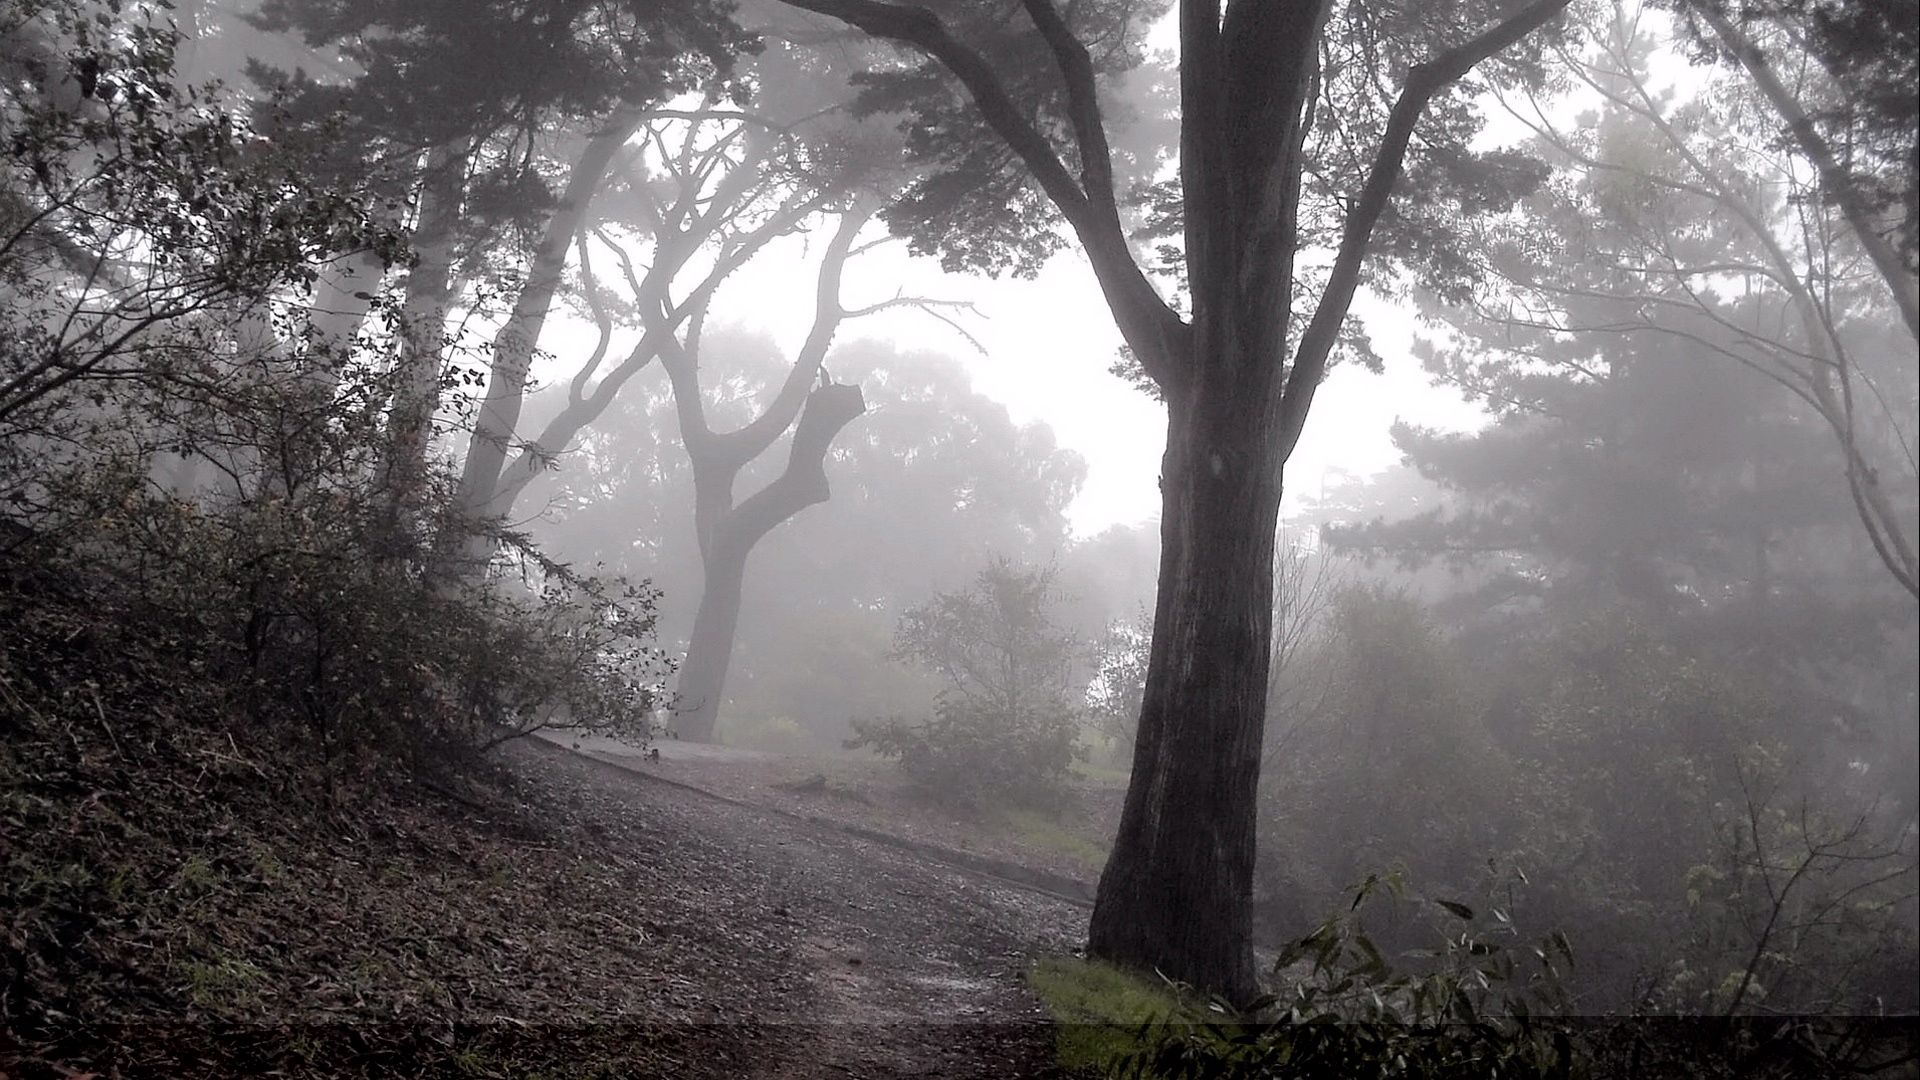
[{"x": 183, "y": 906}]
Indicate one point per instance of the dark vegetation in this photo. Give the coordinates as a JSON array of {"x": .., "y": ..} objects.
[{"x": 293, "y": 540}]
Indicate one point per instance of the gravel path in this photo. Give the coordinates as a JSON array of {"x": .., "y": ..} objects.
[{"x": 898, "y": 967}]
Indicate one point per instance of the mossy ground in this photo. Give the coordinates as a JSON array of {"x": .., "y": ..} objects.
[{"x": 1104, "y": 1014}]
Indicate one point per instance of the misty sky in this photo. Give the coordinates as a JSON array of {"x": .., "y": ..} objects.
[{"x": 1049, "y": 343}]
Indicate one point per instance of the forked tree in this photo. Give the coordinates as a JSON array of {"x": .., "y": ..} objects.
[{"x": 1276, "y": 98}]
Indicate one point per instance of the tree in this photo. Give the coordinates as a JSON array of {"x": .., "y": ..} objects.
[
  {"x": 796, "y": 165},
  {"x": 934, "y": 478},
  {"x": 1256, "y": 81},
  {"x": 1690, "y": 215},
  {"x": 469, "y": 110},
  {"x": 1859, "y": 127}
]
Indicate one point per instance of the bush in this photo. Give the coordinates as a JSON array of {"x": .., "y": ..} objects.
[
  {"x": 302, "y": 614},
  {"x": 1007, "y": 722},
  {"x": 196, "y": 513},
  {"x": 1478, "y": 1007}
]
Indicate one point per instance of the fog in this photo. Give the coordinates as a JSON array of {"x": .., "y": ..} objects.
[{"x": 1448, "y": 482}]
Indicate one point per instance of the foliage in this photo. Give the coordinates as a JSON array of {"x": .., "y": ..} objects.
[
  {"x": 192, "y": 481},
  {"x": 1616, "y": 760},
  {"x": 1680, "y": 240},
  {"x": 304, "y": 614},
  {"x": 1869, "y": 56},
  {"x": 1119, "y": 682},
  {"x": 1483, "y": 1002},
  {"x": 507, "y": 76},
  {"x": 131, "y": 206},
  {"x": 1384, "y": 763},
  {"x": 1478, "y": 1005},
  {"x": 1795, "y": 906},
  {"x": 1006, "y": 723}
]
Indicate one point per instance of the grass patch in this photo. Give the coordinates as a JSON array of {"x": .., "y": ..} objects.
[
  {"x": 1035, "y": 830},
  {"x": 1100, "y": 1011},
  {"x": 222, "y": 981},
  {"x": 1115, "y": 776}
]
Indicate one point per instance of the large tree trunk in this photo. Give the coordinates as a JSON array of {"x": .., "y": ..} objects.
[{"x": 1176, "y": 894}]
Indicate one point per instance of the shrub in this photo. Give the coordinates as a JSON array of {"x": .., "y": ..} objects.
[
  {"x": 1478, "y": 1007},
  {"x": 1007, "y": 722},
  {"x": 302, "y": 615}
]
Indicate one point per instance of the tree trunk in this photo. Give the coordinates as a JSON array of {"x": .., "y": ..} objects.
[
  {"x": 1176, "y": 895},
  {"x": 703, "y": 677},
  {"x": 423, "y": 330},
  {"x": 513, "y": 347},
  {"x": 730, "y": 537}
]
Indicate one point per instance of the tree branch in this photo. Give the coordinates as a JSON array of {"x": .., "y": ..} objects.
[
  {"x": 1423, "y": 83},
  {"x": 1156, "y": 334},
  {"x": 1838, "y": 182},
  {"x": 1083, "y": 105},
  {"x": 804, "y": 482}
]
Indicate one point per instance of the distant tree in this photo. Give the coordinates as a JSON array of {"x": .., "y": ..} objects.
[
  {"x": 1276, "y": 101},
  {"x": 688, "y": 193},
  {"x": 1388, "y": 765},
  {"x": 1119, "y": 682},
  {"x": 1630, "y": 471},
  {"x": 934, "y": 478}
]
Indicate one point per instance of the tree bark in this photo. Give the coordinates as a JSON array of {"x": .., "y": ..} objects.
[
  {"x": 429, "y": 297},
  {"x": 703, "y": 675},
  {"x": 1176, "y": 895}
]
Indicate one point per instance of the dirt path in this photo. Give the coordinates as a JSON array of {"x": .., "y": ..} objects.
[{"x": 903, "y": 967}]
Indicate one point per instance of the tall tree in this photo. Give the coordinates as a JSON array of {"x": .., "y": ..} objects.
[
  {"x": 1238, "y": 375},
  {"x": 1628, "y": 473},
  {"x": 816, "y": 408},
  {"x": 708, "y": 186}
]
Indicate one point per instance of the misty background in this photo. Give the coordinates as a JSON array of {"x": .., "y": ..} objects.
[{"x": 543, "y": 378}]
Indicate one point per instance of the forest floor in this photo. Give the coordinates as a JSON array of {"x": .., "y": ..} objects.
[{"x": 172, "y": 907}]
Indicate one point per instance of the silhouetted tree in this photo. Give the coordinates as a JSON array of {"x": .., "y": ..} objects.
[{"x": 1006, "y": 112}]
